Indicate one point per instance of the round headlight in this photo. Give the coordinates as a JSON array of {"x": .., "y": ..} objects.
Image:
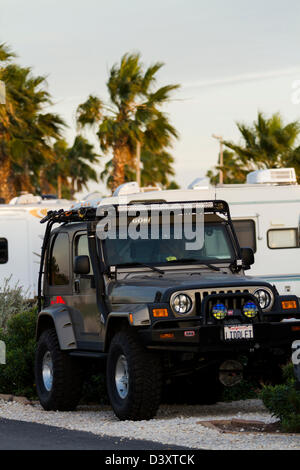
[
  {"x": 250, "y": 310},
  {"x": 182, "y": 304},
  {"x": 264, "y": 298},
  {"x": 219, "y": 311}
]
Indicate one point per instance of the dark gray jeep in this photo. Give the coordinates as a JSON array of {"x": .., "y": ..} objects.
[{"x": 164, "y": 319}]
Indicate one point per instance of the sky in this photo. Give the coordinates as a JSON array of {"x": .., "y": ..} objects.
[{"x": 232, "y": 59}]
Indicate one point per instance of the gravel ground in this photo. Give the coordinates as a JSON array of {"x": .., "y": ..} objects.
[{"x": 174, "y": 424}]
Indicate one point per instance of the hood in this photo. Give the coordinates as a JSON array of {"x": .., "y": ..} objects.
[{"x": 151, "y": 288}]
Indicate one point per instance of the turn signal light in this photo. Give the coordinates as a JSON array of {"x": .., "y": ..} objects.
[
  {"x": 167, "y": 336},
  {"x": 160, "y": 312},
  {"x": 289, "y": 304}
]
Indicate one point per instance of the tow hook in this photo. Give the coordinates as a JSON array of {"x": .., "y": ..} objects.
[{"x": 230, "y": 373}]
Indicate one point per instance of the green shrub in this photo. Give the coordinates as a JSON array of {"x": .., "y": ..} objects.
[
  {"x": 94, "y": 389},
  {"x": 244, "y": 390},
  {"x": 17, "y": 376},
  {"x": 13, "y": 300},
  {"x": 283, "y": 401}
]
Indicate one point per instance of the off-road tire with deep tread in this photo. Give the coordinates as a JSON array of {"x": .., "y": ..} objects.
[
  {"x": 67, "y": 375},
  {"x": 145, "y": 378}
]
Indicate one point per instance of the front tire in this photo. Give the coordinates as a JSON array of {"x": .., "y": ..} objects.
[
  {"x": 58, "y": 376},
  {"x": 134, "y": 378}
]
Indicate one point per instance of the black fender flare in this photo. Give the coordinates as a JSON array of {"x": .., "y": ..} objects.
[{"x": 58, "y": 317}]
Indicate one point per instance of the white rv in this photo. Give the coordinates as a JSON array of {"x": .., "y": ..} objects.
[
  {"x": 266, "y": 215},
  {"x": 21, "y": 236}
]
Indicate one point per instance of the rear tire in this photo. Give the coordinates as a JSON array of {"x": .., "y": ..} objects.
[
  {"x": 134, "y": 378},
  {"x": 58, "y": 376}
]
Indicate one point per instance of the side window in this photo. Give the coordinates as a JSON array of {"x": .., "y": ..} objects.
[
  {"x": 82, "y": 248},
  {"x": 246, "y": 233},
  {"x": 3, "y": 251},
  {"x": 58, "y": 268},
  {"x": 283, "y": 238}
]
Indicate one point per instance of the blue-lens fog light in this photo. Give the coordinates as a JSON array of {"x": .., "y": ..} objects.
[
  {"x": 219, "y": 311},
  {"x": 250, "y": 310}
]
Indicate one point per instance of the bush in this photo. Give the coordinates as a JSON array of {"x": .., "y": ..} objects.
[
  {"x": 12, "y": 301},
  {"x": 283, "y": 401},
  {"x": 244, "y": 390},
  {"x": 17, "y": 376},
  {"x": 94, "y": 388}
]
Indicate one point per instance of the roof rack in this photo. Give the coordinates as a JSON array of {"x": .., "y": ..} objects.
[{"x": 66, "y": 216}]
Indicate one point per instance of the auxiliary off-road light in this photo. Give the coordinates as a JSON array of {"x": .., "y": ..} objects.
[
  {"x": 250, "y": 310},
  {"x": 219, "y": 311}
]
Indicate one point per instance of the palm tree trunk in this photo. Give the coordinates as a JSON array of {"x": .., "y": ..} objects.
[
  {"x": 26, "y": 185},
  {"x": 121, "y": 157},
  {"x": 59, "y": 192},
  {"x": 138, "y": 163},
  {"x": 7, "y": 191}
]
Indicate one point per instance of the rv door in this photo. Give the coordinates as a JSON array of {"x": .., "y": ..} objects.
[{"x": 14, "y": 259}]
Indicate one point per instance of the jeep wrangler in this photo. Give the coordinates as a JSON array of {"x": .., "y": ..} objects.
[{"x": 159, "y": 316}]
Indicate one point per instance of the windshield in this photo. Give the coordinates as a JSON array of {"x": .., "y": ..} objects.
[{"x": 217, "y": 248}]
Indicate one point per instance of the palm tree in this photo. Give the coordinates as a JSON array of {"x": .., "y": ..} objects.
[
  {"x": 26, "y": 130},
  {"x": 268, "y": 143},
  {"x": 71, "y": 171},
  {"x": 80, "y": 157},
  {"x": 233, "y": 170},
  {"x": 7, "y": 113},
  {"x": 156, "y": 169},
  {"x": 133, "y": 118}
]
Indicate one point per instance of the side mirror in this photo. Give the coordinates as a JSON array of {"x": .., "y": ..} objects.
[
  {"x": 247, "y": 257},
  {"x": 81, "y": 265}
]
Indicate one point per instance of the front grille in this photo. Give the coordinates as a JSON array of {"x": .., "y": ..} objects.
[
  {"x": 199, "y": 295},
  {"x": 205, "y": 293}
]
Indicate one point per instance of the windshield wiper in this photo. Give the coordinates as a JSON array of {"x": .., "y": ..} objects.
[
  {"x": 193, "y": 261},
  {"x": 160, "y": 271}
]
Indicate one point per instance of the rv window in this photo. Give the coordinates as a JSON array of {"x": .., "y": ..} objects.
[
  {"x": 283, "y": 238},
  {"x": 3, "y": 251},
  {"x": 245, "y": 230},
  {"x": 59, "y": 260}
]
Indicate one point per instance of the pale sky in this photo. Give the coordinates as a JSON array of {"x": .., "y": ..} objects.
[{"x": 231, "y": 57}]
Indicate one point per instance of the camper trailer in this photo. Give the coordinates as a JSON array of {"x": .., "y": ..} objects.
[
  {"x": 21, "y": 236},
  {"x": 266, "y": 216}
]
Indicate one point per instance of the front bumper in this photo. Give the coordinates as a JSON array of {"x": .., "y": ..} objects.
[{"x": 210, "y": 338}]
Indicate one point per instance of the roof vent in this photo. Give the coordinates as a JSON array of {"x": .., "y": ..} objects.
[
  {"x": 26, "y": 199},
  {"x": 127, "y": 188},
  {"x": 200, "y": 183},
  {"x": 273, "y": 176}
]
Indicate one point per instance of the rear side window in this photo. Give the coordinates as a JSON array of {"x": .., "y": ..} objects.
[
  {"x": 283, "y": 238},
  {"x": 81, "y": 246},
  {"x": 59, "y": 261},
  {"x": 3, "y": 251},
  {"x": 245, "y": 230}
]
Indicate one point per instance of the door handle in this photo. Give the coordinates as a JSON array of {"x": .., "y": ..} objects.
[{"x": 77, "y": 286}]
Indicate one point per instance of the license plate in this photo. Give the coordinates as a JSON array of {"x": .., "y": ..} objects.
[{"x": 238, "y": 332}]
